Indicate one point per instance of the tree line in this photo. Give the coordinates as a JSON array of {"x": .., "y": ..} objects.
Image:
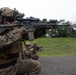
[{"x": 63, "y": 30}]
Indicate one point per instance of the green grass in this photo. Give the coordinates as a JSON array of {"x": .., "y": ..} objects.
[{"x": 57, "y": 46}]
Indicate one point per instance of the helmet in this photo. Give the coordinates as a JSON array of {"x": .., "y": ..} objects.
[
  {"x": 18, "y": 14},
  {"x": 9, "y": 15},
  {"x": 7, "y": 12}
]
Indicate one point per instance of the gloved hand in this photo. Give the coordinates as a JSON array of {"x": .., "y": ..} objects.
[{"x": 21, "y": 30}]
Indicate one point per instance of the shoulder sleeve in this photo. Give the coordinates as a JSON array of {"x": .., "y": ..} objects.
[{"x": 9, "y": 38}]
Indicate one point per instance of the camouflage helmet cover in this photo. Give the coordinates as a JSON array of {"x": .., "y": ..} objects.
[
  {"x": 7, "y": 12},
  {"x": 18, "y": 14}
]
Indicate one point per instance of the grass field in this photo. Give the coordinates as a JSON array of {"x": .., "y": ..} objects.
[{"x": 57, "y": 46}]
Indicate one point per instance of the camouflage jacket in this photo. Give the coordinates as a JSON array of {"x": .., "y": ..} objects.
[
  {"x": 27, "y": 54},
  {"x": 9, "y": 38},
  {"x": 10, "y": 44}
]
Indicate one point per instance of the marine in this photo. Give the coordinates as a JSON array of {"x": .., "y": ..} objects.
[
  {"x": 11, "y": 47},
  {"x": 30, "y": 51}
]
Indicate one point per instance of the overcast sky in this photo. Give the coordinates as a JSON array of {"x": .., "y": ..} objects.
[{"x": 50, "y": 9}]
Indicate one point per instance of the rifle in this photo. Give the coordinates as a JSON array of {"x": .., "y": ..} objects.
[{"x": 34, "y": 26}]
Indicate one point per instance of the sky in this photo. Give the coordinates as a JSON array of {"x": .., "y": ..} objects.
[{"x": 49, "y": 9}]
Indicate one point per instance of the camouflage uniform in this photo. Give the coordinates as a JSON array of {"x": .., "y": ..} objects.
[
  {"x": 10, "y": 48},
  {"x": 34, "y": 49},
  {"x": 30, "y": 51},
  {"x": 26, "y": 53},
  {"x": 18, "y": 66}
]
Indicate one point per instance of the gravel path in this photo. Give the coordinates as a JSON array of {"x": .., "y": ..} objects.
[{"x": 58, "y": 65}]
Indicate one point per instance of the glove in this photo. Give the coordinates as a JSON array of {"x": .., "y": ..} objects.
[{"x": 22, "y": 31}]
